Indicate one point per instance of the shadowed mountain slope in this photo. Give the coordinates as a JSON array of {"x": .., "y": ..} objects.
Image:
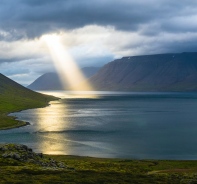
[
  {"x": 51, "y": 81},
  {"x": 161, "y": 72}
]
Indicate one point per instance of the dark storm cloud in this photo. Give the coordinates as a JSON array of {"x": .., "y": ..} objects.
[
  {"x": 32, "y": 18},
  {"x": 8, "y": 60},
  {"x": 119, "y": 27}
]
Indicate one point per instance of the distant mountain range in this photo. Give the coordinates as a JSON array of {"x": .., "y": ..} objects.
[
  {"x": 51, "y": 81},
  {"x": 160, "y": 72}
]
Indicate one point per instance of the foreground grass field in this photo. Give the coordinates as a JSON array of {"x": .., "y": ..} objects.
[
  {"x": 85, "y": 170},
  {"x": 14, "y": 97}
]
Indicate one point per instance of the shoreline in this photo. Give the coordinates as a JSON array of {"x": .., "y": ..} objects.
[
  {"x": 92, "y": 157},
  {"x": 117, "y": 158},
  {"x": 19, "y": 126},
  {"x": 26, "y": 124},
  {"x": 19, "y": 122}
]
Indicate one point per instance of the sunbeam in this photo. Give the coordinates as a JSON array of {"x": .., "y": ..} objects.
[{"x": 66, "y": 67}]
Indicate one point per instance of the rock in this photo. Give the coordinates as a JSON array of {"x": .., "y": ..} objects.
[
  {"x": 44, "y": 164},
  {"x": 40, "y": 155},
  {"x": 12, "y": 155},
  {"x": 30, "y": 156},
  {"x": 30, "y": 150},
  {"x": 4, "y": 149},
  {"x": 24, "y": 154},
  {"x": 16, "y": 156},
  {"x": 53, "y": 165},
  {"x": 19, "y": 147},
  {"x": 5, "y": 155},
  {"x": 61, "y": 165}
]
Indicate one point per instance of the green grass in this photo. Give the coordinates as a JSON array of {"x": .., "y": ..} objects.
[
  {"x": 86, "y": 170},
  {"x": 14, "y": 97}
]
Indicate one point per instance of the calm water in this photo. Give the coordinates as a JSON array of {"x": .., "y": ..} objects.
[{"x": 126, "y": 125}]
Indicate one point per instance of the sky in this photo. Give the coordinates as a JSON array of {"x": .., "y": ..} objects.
[{"x": 94, "y": 32}]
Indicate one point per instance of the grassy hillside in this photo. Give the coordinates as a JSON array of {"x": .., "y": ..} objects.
[{"x": 14, "y": 97}]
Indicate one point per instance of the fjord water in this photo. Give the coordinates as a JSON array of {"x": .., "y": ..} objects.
[{"x": 123, "y": 125}]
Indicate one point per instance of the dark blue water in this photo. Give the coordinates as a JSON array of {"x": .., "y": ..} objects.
[{"x": 127, "y": 125}]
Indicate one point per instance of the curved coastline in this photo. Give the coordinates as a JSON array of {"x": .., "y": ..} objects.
[{"x": 19, "y": 123}]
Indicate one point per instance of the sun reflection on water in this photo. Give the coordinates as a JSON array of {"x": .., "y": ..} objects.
[
  {"x": 73, "y": 94},
  {"x": 53, "y": 143},
  {"x": 51, "y": 121}
]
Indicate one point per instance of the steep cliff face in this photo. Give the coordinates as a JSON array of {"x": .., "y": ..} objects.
[
  {"x": 162, "y": 72},
  {"x": 51, "y": 81}
]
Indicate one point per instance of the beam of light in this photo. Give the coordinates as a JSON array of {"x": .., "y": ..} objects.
[{"x": 66, "y": 67}]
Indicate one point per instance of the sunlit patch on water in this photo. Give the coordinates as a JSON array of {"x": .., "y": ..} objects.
[
  {"x": 83, "y": 94},
  {"x": 127, "y": 125}
]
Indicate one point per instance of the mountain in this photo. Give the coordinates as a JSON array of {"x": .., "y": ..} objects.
[
  {"x": 51, "y": 81},
  {"x": 14, "y": 97},
  {"x": 48, "y": 81},
  {"x": 161, "y": 72}
]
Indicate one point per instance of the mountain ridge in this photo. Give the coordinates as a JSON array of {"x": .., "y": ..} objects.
[
  {"x": 51, "y": 80},
  {"x": 159, "y": 72}
]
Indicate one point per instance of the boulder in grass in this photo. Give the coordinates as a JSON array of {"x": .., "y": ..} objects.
[{"x": 22, "y": 153}]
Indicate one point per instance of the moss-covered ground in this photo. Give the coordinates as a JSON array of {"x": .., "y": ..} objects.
[{"x": 88, "y": 170}]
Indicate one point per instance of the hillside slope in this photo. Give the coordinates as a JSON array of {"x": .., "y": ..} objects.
[
  {"x": 161, "y": 72},
  {"x": 51, "y": 81},
  {"x": 14, "y": 97}
]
